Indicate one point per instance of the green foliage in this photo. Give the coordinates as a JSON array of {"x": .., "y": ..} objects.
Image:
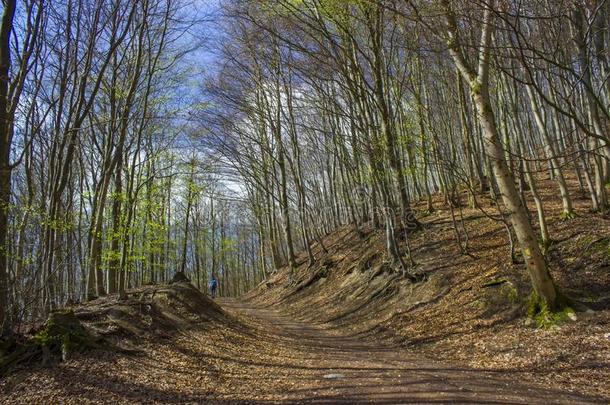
[
  {"x": 60, "y": 225},
  {"x": 228, "y": 245},
  {"x": 110, "y": 254}
]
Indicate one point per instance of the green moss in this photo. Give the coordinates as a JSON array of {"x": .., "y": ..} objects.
[
  {"x": 567, "y": 215},
  {"x": 513, "y": 295},
  {"x": 475, "y": 87},
  {"x": 42, "y": 338},
  {"x": 61, "y": 335},
  {"x": 495, "y": 282},
  {"x": 600, "y": 247},
  {"x": 546, "y": 318},
  {"x": 546, "y": 245},
  {"x": 64, "y": 332},
  {"x": 427, "y": 213},
  {"x": 478, "y": 304},
  {"x": 584, "y": 241}
]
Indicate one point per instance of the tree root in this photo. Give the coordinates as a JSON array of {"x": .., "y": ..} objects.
[{"x": 61, "y": 336}]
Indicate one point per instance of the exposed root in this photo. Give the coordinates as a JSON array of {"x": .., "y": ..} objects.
[
  {"x": 61, "y": 336},
  {"x": 153, "y": 312},
  {"x": 316, "y": 276}
]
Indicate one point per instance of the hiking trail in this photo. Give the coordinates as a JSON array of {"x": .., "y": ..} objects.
[{"x": 324, "y": 366}]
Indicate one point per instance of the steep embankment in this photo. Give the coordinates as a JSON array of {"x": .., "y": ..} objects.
[
  {"x": 113, "y": 350},
  {"x": 471, "y": 309},
  {"x": 256, "y": 355}
]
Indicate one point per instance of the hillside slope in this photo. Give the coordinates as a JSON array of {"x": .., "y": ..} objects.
[
  {"x": 471, "y": 309},
  {"x": 142, "y": 346},
  {"x": 349, "y": 330}
]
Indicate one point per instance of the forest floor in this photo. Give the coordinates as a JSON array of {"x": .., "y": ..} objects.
[
  {"x": 262, "y": 356},
  {"x": 471, "y": 309},
  {"x": 349, "y": 330}
]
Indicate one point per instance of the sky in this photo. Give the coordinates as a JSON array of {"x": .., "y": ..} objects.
[{"x": 205, "y": 63}]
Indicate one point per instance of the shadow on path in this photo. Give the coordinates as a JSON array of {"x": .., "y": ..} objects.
[{"x": 326, "y": 367}]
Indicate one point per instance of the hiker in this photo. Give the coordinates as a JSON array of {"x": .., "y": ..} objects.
[{"x": 213, "y": 286}]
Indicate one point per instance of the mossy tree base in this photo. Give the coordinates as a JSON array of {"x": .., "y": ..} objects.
[
  {"x": 61, "y": 336},
  {"x": 546, "y": 245},
  {"x": 546, "y": 317}
]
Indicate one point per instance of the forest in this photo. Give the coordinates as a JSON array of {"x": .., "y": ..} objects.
[{"x": 429, "y": 176}]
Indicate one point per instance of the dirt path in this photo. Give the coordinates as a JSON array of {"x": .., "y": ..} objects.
[
  {"x": 324, "y": 367},
  {"x": 259, "y": 356}
]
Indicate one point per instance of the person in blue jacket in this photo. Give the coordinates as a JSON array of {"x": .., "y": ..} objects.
[{"x": 213, "y": 286}]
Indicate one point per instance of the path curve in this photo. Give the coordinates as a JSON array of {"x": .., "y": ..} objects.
[{"x": 326, "y": 367}]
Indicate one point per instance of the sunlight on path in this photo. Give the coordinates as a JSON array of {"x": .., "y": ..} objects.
[{"x": 330, "y": 368}]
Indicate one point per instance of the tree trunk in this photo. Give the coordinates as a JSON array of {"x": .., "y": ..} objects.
[
  {"x": 479, "y": 85},
  {"x": 6, "y": 135}
]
